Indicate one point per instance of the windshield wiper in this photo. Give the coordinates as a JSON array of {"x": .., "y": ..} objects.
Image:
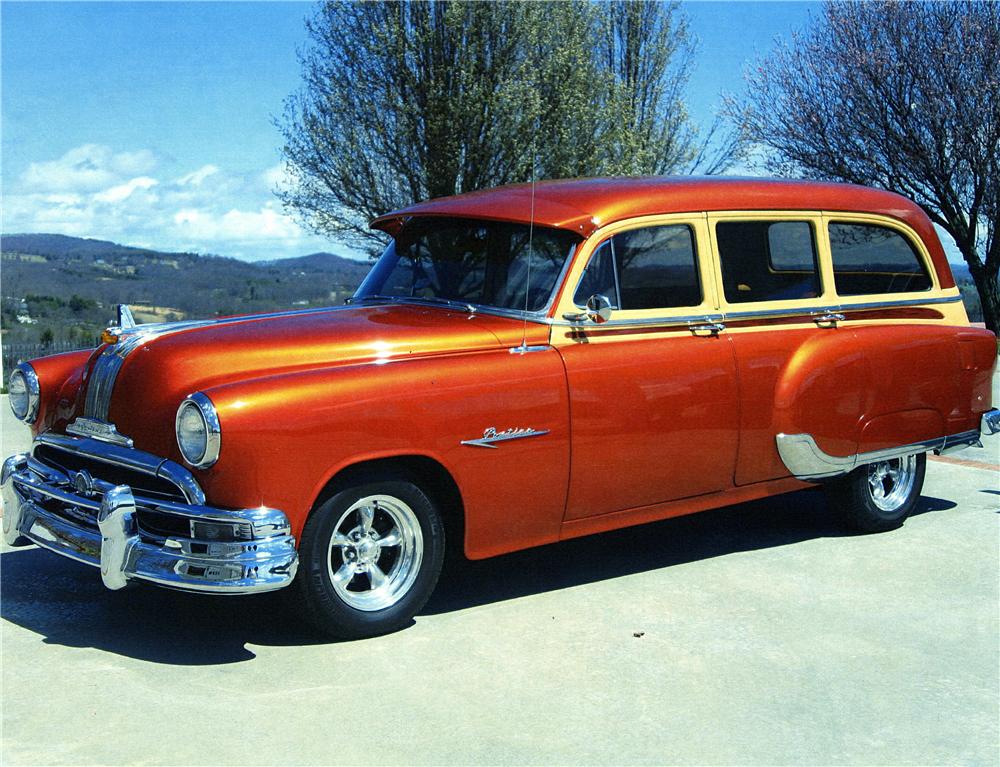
[{"x": 464, "y": 305}]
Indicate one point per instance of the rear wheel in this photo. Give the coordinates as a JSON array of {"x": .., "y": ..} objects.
[
  {"x": 879, "y": 496},
  {"x": 369, "y": 559}
]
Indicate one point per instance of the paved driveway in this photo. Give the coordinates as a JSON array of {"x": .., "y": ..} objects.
[{"x": 756, "y": 634}]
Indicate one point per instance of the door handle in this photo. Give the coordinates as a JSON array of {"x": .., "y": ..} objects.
[
  {"x": 706, "y": 328},
  {"x": 828, "y": 319}
]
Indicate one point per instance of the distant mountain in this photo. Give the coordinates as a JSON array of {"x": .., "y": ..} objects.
[
  {"x": 322, "y": 261},
  {"x": 69, "y": 285},
  {"x": 65, "y": 246}
]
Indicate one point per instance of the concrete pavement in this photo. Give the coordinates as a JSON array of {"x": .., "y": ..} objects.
[{"x": 757, "y": 634}]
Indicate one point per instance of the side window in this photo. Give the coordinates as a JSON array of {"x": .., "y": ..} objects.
[
  {"x": 598, "y": 278},
  {"x": 655, "y": 267},
  {"x": 868, "y": 258},
  {"x": 767, "y": 260}
]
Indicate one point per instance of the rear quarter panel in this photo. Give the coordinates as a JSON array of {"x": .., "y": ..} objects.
[{"x": 908, "y": 383}]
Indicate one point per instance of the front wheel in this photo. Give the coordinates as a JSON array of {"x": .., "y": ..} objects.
[
  {"x": 369, "y": 559},
  {"x": 878, "y": 496}
]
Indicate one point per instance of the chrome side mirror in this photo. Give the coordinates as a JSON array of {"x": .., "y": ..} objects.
[{"x": 598, "y": 309}]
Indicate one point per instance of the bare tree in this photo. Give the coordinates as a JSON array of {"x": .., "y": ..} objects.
[
  {"x": 905, "y": 96},
  {"x": 407, "y": 100}
]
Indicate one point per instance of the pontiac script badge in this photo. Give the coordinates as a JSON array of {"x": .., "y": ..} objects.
[
  {"x": 491, "y": 435},
  {"x": 95, "y": 429}
]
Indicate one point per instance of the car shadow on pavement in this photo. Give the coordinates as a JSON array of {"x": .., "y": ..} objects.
[
  {"x": 767, "y": 523},
  {"x": 66, "y": 604}
]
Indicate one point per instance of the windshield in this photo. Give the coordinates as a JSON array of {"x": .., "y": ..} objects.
[{"x": 472, "y": 262}]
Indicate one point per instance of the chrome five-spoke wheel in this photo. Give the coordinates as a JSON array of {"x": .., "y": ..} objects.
[
  {"x": 369, "y": 557},
  {"x": 890, "y": 482},
  {"x": 375, "y": 552},
  {"x": 880, "y": 495}
]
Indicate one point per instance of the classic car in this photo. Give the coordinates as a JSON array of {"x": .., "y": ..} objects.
[{"x": 521, "y": 366}]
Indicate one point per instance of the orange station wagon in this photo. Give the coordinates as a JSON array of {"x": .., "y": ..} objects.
[{"x": 521, "y": 366}]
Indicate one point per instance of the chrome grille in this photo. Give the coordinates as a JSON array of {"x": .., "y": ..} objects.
[{"x": 69, "y": 462}]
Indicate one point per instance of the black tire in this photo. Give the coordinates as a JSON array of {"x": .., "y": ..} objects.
[
  {"x": 855, "y": 496},
  {"x": 351, "y": 606}
]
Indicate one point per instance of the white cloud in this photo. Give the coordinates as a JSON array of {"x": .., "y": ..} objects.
[
  {"x": 87, "y": 168},
  {"x": 196, "y": 177},
  {"x": 241, "y": 225},
  {"x": 277, "y": 177},
  {"x": 93, "y": 191},
  {"x": 124, "y": 191}
]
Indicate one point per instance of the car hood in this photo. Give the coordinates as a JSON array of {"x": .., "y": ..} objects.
[{"x": 160, "y": 365}]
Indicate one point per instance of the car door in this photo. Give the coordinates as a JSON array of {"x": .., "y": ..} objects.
[
  {"x": 653, "y": 389},
  {"x": 792, "y": 352}
]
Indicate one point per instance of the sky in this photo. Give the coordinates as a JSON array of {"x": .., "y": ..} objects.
[{"x": 151, "y": 124}]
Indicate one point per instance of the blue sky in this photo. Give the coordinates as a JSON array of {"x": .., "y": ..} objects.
[{"x": 151, "y": 123}]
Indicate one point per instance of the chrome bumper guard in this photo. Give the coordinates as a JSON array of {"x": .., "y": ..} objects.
[{"x": 96, "y": 523}]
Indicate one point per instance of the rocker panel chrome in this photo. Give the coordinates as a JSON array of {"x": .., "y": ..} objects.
[{"x": 806, "y": 460}]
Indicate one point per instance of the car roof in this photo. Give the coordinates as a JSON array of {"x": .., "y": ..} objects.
[{"x": 584, "y": 205}]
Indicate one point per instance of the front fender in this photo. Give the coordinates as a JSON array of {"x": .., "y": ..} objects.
[{"x": 284, "y": 437}]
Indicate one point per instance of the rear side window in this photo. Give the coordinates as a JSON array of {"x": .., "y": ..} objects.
[
  {"x": 767, "y": 260},
  {"x": 868, "y": 258},
  {"x": 654, "y": 267}
]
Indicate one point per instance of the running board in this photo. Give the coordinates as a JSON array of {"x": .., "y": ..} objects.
[{"x": 806, "y": 460}]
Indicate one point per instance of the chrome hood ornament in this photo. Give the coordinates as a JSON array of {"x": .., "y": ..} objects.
[
  {"x": 125, "y": 318},
  {"x": 491, "y": 435}
]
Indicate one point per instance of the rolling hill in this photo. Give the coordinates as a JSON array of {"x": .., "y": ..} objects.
[{"x": 69, "y": 286}]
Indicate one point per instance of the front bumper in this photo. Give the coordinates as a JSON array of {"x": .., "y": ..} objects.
[{"x": 97, "y": 523}]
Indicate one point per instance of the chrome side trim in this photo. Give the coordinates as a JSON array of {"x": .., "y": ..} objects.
[
  {"x": 804, "y": 311},
  {"x": 840, "y": 308},
  {"x": 147, "y": 463},
  {"x": 491, "y": 435},
  {"x": 674, "y": 321},
  {"x": 806, "y": 460}
]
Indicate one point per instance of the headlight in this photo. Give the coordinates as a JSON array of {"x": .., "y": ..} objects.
[
  {"x": 199, "y": 435},
  {"x": 24, "y": 393}
]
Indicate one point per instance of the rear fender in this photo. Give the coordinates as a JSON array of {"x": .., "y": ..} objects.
[{"x": 878, "y": 387}]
